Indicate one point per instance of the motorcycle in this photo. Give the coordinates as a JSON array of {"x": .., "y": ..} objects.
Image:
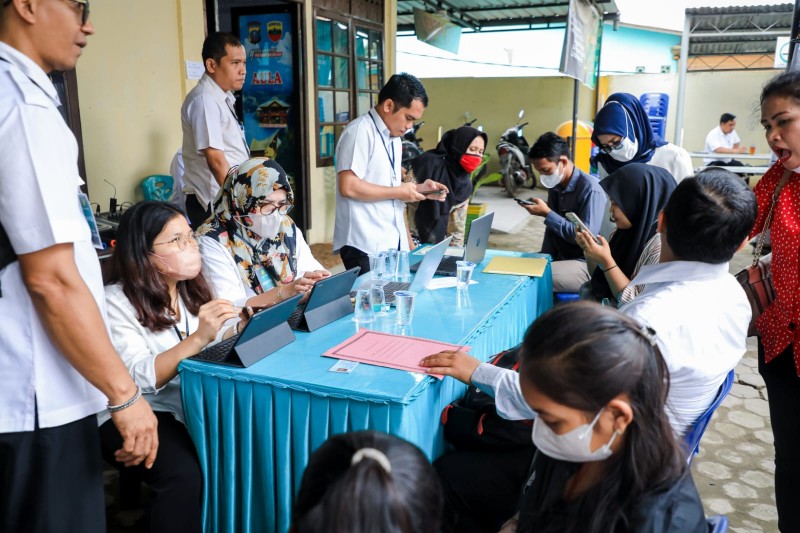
[
  {"x": 412, "y": 146},
  {"x": 515, "y": 168}
]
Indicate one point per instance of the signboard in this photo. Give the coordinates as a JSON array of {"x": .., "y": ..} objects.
[
  {"x": 270, "y": 95},
  {"x": 579, "y": 55},
  {"x": 782, "y": 45}
]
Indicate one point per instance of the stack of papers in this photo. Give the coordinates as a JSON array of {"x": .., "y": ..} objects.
[{"x": 519, "y": 266}]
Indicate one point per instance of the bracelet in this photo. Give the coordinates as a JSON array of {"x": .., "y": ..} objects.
[
  {"x": 280, "y": 295},
  {"x": 609, "y": 268},
  {"x": 120, "y": 407}
]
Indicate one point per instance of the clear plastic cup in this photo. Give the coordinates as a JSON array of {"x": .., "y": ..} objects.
[
  {"x": 390, "y": 265},
  {"x": 377, "y": 264},
  {"x": 404, "y": 302},
  {"x": 464, "y": 273},
  {"x": 363, "y": 313},
  {"x": 377, "y": 299},
  {"x": 403, "y": 268}
]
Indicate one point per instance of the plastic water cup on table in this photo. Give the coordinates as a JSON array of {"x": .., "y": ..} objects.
[
  {"x": 404, "y": 303},
  {"x": 464, "y": 273},
  {"x": 377, "y": 299},
  {"x": 403, "y": 268},
  {"x": 363, "y": 313},
  {"x": 377, "y": 264},
  {"x": 390, "y": 265}
]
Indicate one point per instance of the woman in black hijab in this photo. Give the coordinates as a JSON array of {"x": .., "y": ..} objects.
[
  {"x": 458, "y": 154},
  {"x": 638, "y": 192}
]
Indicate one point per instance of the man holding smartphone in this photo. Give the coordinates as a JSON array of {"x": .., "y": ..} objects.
[{"x": 569, "y": 190}]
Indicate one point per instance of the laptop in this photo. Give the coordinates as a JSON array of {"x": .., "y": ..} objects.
[
  {"x": 425, "y": 270},
  {"x": 328, "y": 300},
  {"x": 474, "y": 251},
  {"x": 265, "y": 332}
]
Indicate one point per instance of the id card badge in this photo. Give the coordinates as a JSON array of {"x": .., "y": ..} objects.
[
  {"x": 263, "y": 278},
  {"x": 86, "y": 206}
]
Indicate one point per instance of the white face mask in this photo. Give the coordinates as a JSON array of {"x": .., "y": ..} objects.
[
  {"x": 551, "y": 180},
  {"x": 266, "y": 226},
  {"x": 573, "y": 446},
  {"x": 626, "y": 151},
  {"x": 183, "y": 265}
]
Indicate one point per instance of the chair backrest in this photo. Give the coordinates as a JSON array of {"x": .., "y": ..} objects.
[
  {"x": 157, "y": 187},
  {"x": 694, "y": 434},
  {"x": 717, "y": 523},
  {"x": 655, "y": 104}
]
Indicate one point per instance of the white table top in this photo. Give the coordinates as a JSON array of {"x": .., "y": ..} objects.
[
  {"x": 706, "y": 155},
  {"x": 738, "y": 170}
]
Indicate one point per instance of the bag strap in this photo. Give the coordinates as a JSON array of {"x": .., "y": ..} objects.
[
  {"x": 7, "y": 254},
  {"x": 763, "y": 236}
]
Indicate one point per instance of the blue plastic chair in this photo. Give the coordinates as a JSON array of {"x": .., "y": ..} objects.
[
  {"x": 561, "y": 297},
  {"x": 158, "y": 187},
  {"x": 694, "y": 435},
  {"x": 717, "y": 523},
  {"x": 656, "y": 106}
]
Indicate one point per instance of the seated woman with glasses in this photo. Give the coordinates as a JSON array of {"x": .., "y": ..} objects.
[
  {"x": 253, "y": 253},
  {"x": 161, "y": 311},
  {"x": 623, "y": 134}
]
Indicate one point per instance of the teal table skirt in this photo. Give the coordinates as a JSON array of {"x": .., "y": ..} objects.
[{"x": 255, "y": 428}]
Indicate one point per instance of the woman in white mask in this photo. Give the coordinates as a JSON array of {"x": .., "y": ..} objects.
[
  {"x": 607, "y": 457},
  {"x": 253, "y": 253},
  {"x": 623, "y": 134},
  {"x": 161, "y": 311}
]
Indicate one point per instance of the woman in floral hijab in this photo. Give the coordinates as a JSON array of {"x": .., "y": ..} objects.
[{"x": 253, "y": 253}]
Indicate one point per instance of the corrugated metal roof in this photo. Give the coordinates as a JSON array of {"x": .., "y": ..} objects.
[
  {"x": 482, "y": 14},
  {"x": 738, "y": 30}
]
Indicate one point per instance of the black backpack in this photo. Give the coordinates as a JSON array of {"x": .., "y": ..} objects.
[{"x": 472, "y": 422}]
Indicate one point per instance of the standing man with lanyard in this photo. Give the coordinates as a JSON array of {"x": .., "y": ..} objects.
[
  {"x": 370, "y": 194},
  {"x": 213, "y": 138},
  {"x": 58, "y": 367}
]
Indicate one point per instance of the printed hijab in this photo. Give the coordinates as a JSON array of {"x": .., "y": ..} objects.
[
  {"x": 624, "y": 115},
  {"x": 245, "y": 186},
  {"x": 641, "y": 191}
]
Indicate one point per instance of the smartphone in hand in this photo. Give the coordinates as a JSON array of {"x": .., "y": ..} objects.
[
  {"x": 520, "y": 201},
  {"x": 579, "y": 224}
]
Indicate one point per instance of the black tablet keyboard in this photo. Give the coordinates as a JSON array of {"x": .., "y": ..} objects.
[
  {"x": 217, "y": 352},
  {"x": 294, "y": 318}
]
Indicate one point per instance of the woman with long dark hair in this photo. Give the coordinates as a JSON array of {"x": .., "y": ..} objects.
[
  {"x": 607, "y": 458},
  {"x": 451, "y": 163},
  {"x": 368, "y": 482},
  {"x": 161, "y": 311},
  {"x": 637, "y": 194}
]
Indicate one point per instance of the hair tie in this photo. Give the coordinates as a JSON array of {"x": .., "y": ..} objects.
[
  {"x": 649, "y": 334},
  {"x": 371, "y": 453}
]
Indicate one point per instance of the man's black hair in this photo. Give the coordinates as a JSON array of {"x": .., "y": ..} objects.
[
  {"x": 726, "y": 117},
  {"x": 549, "y": 146},
  {"x": 402, "y": 89},
  {"x": 215, "y": 43},
  {"x": 709, "y": 215}
]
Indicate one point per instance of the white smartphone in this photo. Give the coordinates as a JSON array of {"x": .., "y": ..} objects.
[{"x": 575, "y": 219}]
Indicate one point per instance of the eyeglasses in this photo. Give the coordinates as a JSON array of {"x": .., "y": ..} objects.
[
  {"x": 183, "y": 241},
  {"x": 83, "y": 5},
  {"x": 608, "y": 148},
  {"x": 265, "y": 207}
]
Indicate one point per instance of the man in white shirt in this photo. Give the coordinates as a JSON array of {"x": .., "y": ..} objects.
[
  {"x": 370, "y": 194},
  {"x": 58, "y": 367},
  {"x": 724, "y": 140},
  {"x": 213, "y": 138},
  {"x": 698, "y": 311}
]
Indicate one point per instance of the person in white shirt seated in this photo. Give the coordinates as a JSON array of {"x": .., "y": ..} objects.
[
  {"x": 696, "y": 307},
  {"x": 161, "y": 311},
  {"x": 253, "y": 253},
  {"x": 724, "y": 140}
]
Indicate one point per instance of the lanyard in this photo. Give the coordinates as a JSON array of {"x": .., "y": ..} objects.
[
  {"x": 186, "y": 322},
  {"x": 380, "y": 135}
]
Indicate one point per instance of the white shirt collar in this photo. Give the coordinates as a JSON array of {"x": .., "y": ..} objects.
[
  {"x": 216, "y": 90},
  {"x": 676, "y": 271},
  {"x": 28, "y": 67},
  {"x": 382, "y": 128}
]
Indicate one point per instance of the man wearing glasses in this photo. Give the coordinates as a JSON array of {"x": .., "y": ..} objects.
[{"x": 58, "y": 367}]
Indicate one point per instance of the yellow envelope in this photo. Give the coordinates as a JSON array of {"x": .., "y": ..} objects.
[{"x": 518, "y": 266}]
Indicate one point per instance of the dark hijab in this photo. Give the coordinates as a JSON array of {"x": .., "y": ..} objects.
[
  {"x": 641, "y": 192},
  {"x": 623, "y": 115},
  {"x": 442, "y": 164}
]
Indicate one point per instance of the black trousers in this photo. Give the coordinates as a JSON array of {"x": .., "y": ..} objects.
[
  {"x": 482, "y": 489},
  {"x": 196, "y": 212},
  {"x": 175, "y": 480},
  {"x": 353, "y": 257},
  {"x": 783, "y": 387},
  {"x": 51, "y": 479}
]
